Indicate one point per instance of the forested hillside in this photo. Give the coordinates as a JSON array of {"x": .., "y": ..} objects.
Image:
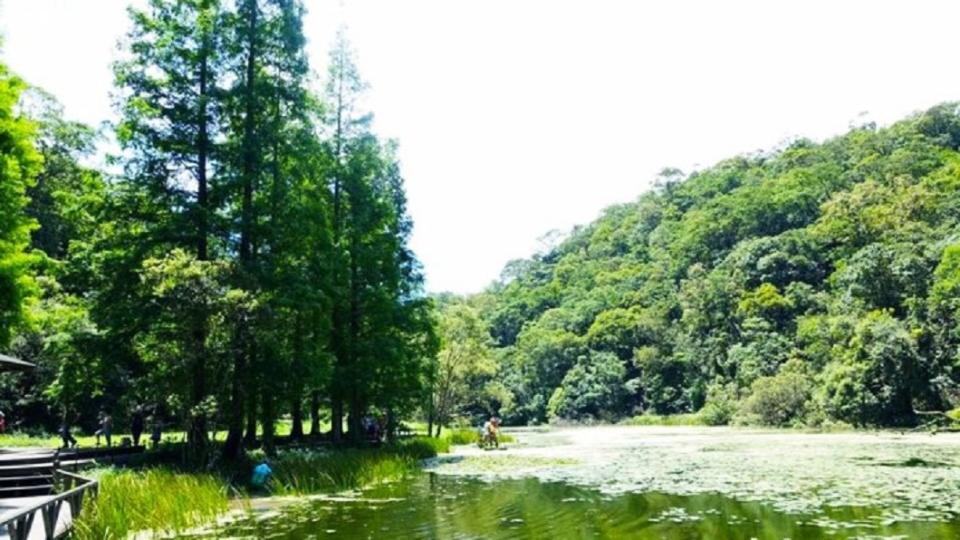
[
  {"x": 813, "y": 283},
  {"x": 244, "y": 258}
]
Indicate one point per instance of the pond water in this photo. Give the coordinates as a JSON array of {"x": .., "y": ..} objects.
[
  {"x": 653, "y": 483},
  {"x": 447, "y": 506}
]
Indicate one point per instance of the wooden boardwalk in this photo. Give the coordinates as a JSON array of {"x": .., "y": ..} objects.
[
  {"x": 26, "y": 481},
  {"x": 13, "y": 506},
  {"x": 39, "y": 496}
]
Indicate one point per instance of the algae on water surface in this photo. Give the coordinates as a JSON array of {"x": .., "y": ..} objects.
[{"x": 907, "y": 477}]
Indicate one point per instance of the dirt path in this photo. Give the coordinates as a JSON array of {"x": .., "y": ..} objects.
[{"x": 909, "y": 476}]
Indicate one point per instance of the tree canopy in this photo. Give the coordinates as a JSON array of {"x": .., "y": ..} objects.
[
  {"x": 837, "y": 258},
  {"x": 247, "y": 259}
]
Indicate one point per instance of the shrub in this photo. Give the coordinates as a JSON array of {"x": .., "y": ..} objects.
[
  {"x": 721, "y": 405},
  {"x": 780, "y": 400},
  {"x": 420, "y": 447},
  {"x": 462, "y": 436}
]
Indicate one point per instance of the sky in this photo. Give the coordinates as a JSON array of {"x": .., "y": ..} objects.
[{"x": 520, "y": 117}]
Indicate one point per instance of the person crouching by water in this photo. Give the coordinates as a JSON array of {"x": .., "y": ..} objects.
[
  {"x": 261, "y": 475},
  {"x": 482, "y": 434},
  {"x": 491, "y": 429}
]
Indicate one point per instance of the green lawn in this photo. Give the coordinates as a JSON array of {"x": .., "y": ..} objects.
[{"x": 24, "y": 440}]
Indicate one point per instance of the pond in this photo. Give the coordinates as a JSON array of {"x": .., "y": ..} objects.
[
  {"x": 662, "y": 483},
  {"x": 444, "y": 506}
]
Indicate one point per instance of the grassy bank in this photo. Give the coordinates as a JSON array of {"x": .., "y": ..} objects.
[
  {"x": 165, "y": 500},
  {"x": 156, "y": 499},
  {"x": 698, "y": 419},
  {"x": 39, "y": 439}
]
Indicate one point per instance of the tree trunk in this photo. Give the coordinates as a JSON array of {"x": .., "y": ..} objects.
[
  {"x": 197, "y": 429},
  {"x": 234, "y": 443},
  {"x": 197, "y": 447},
  {"x": 315, "y": 414},
  {"x": 336, "y": 419},
  {"x": 391, "y": 425},
  {"x": 355, "y": 421},
  {"x": 357, "y": 380},
  {"x": 267, "y": 406},
  {"x": 231, "y": 449},
  {"x": 337, "y": 331},
  {"x": 298, "y": 371},
  {"x": 250, "y": 439},
  {"x": 296, "y": 415}
]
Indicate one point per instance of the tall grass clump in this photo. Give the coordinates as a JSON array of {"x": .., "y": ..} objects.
[
  {"x": 421, "y": 447},
  {"x": 303, "y": 472},
  {"x": 666, "y": 420},
  {"x": 460, "y": 436},
  {"x": 151, "y": 500},
  {"x": 300, "y": 472}
]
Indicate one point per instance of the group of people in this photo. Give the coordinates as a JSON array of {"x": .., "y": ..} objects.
[
  {"x": 138, "y": 422},
  {"x": 489, "y": 435}
]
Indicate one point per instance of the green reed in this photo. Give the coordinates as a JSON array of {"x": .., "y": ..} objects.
[{"x": 158, "y": 500}]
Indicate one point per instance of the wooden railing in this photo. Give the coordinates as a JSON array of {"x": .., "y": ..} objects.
[{"x": 73, "y": 490}]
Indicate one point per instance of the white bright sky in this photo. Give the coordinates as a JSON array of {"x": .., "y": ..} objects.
[{"x": 519, "y": 117}]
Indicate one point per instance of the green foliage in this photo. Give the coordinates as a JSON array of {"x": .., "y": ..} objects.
[
  {"x": 945, "y": 293},
  {"x": 19, "y": 164},
  {"x": 767, "y": 303},
  {"x": 465, "y": 365},
  {"x": 461, "y": 436},
  {"x": 873, "y": 380},
  {"x": 721, "y": 404},
  {"x": 715, "y": 279},
  {"x": 151, "y": 500},
  {"x": 782, "y": 399},
  {"x": 593, "y": 389},
  {"x": 663, "y": 380},
  {"x": 248, "y": 257}
]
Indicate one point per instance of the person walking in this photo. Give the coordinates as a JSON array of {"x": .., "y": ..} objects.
[
  {"x": 106, "y": 423},
  {"x": 157, "y": 431},
  {"x": 65, "y": 435},
  {"x": 136, "y": 424}
]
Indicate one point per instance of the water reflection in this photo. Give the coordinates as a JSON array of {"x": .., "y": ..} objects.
[{"x": 432, "y": 506}]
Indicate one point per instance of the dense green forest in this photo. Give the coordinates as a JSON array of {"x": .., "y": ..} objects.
[
  {"x": 811, "y": 284},
  {"x": 243, "y": 255}
]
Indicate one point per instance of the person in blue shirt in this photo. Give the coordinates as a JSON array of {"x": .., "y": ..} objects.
[{"x": 261, "y": 475}]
